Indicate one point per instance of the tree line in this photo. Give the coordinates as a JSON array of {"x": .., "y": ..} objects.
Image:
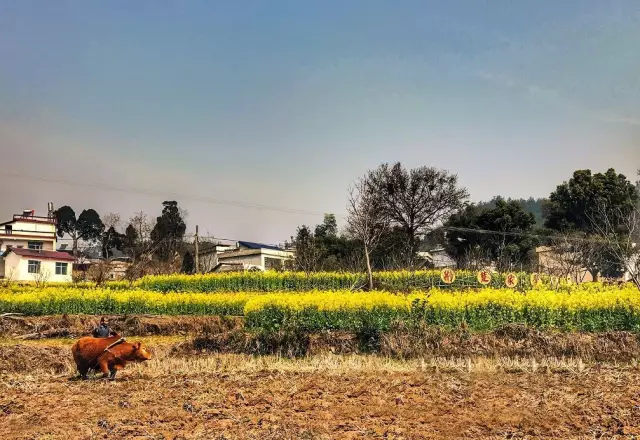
[
  {"x": 393, "y": 213},
  {"x": 590, "y": 221},
  {"x": 148, "y": 243}
]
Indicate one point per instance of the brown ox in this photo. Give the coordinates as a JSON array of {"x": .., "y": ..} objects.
[{"x": 105, "y": 355}]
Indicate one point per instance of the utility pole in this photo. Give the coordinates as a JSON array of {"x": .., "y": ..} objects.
[{"x": 197, "y": 252}]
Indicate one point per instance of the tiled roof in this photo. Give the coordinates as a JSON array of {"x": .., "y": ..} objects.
[{"x": 48, "y": 255}]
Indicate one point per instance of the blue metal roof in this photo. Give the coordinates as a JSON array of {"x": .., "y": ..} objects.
[{"x": 252, "y": 245}]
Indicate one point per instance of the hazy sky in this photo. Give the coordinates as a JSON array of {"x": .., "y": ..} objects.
[{"x": 284, "y": 103}]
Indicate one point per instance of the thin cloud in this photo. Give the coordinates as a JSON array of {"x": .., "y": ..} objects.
[{"x": 555, "y": 97}]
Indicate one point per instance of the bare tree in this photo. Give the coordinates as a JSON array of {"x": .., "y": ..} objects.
[
  {"x": 367, "y": 219},
  {"x": 416, "y": 200},
  {"x": 475, "y": 258},
  {"x": 308, "y": 258},
  {"x": 41, "y": 277},
  {"x": 620, "y": 234},
  {"x": 143, "y": 225},
  {"x": 111, "y": 220},
  {"x": 571, "y": 255},
  {"x": 308, "y": 252},
  {"x": 9, "y": 277},
  {"x": 99, "y": 272}
]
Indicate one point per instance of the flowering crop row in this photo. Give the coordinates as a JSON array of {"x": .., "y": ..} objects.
[
  {"x": 395, "y": 281},
  {"x": 57, "y": 300},
  {"x": 590, "y": 307},
  {"x": 586, "y": 307}
]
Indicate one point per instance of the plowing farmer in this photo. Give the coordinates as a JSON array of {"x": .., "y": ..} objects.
[{"x": 103, "y": 330}]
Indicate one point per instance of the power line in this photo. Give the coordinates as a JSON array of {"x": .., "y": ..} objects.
[
  {"x": 519, "y": 234},
  {"x": 186, "y": 237},
  {"x": 169, "y": 194},
  {"x": 261, "y": 207}
]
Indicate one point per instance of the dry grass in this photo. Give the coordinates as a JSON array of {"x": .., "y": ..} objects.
[
  {"x": 230, "y": 396},
  {"x": 170, "y": 358},
  {"x": 131, "y": 325},
  {"x": 180, "y": 395},
  {"x": 331, "y": 365}
]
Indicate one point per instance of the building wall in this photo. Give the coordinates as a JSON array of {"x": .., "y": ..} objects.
[
  {"x": 550, "y": 262},
  {"x": 20, "y": 227},
  {"x": 12, "y": 267},
  {"x": 18, "y": 268},
  {"x": 23, "y": 232},
  {"x": 283, "y": 256},
  {"x": 255, "y": 259},
  {"x": 47, "y": 245}
]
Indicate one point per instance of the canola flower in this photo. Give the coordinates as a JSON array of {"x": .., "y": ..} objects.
[
  {"x": 56, "y": 300},
  {"x": 593, "y": 307},
  {"x": 589, "y": 307},
  {"x": 271, "y": 281}
]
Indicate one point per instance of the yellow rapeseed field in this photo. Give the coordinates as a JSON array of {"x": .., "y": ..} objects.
[{"x": 591, "y": 306}]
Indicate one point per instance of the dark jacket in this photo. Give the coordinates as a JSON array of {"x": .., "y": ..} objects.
[{"x": 103, "y": 331}]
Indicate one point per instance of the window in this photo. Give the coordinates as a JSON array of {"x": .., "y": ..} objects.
[
  {"x": 61, "y": 268},
  {"x": 34, "y": 266},
  {"x": 35, "y": 245},
  {"x": 8, "y": 229},
  {"x": 272, "y": 263}
]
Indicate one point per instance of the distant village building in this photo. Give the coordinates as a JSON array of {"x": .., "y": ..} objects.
[
  {"x": 564, "y": 265},
  {"x": 115, "y": 267},
  {"x": 28, "y": 249},
  {"x": 437, "y": 258},
  {"x": 554, "y": 261},
  {"x": 247, "y": 255}
]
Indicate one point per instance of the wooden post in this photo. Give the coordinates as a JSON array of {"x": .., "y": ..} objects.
[{"x": 197, "y": 252}]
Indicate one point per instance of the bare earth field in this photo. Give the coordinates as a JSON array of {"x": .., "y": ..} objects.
[{"x": 232, "y": 396}]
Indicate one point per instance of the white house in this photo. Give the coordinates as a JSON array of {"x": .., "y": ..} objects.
[
  {"x": 28, "y": 249},
  {"x": 437, "y": 258},
  {"x": 248, "y": 255}
]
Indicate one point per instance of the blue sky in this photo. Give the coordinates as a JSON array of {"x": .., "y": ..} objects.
[{"x": 284, "y": 103}]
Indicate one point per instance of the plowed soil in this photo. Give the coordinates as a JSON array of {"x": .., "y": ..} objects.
[{"x": 226, "y": 396}]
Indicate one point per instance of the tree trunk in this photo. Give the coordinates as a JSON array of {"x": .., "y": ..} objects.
[
  {"x": 413, "y": 247},
  {"x": 75, "y": 246},
  {"x": 369, "y": 272}
]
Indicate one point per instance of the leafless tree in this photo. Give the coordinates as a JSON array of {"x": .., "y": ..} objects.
[
  {"x": 307, "y": 259},
  {"x": 78, "y": 276},
  {"x": 620, "y": 234},
  {"x": 143, "y": 226},
  {"x": 367, "y": 219},
  {"x": 569, "y": 256},
  {"x": 308, "y": 252},
  {"x": 99, "y": 272},
  {"x": 416, "y": 200},
  {"x": 111, "y": 220},
  {"x": 41, "y": 277},
  {"x": 9, "y": 277},
  {"x": 475, "y": 258}
]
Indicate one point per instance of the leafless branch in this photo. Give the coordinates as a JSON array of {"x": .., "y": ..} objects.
[
  {"x": 620, "y": 233},
  {"x": 367, "y": 219}
]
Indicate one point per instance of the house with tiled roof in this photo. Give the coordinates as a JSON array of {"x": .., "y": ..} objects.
[{"x": 28, "y": 249}]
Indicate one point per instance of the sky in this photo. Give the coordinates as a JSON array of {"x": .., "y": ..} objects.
[{"x": 233, "y": 107}]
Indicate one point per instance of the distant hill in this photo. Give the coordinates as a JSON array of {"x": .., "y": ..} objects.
[{"x": 530, "y": 205}]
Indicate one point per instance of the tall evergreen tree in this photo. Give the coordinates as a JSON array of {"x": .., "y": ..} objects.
[{"x": 168, "y": 233}]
